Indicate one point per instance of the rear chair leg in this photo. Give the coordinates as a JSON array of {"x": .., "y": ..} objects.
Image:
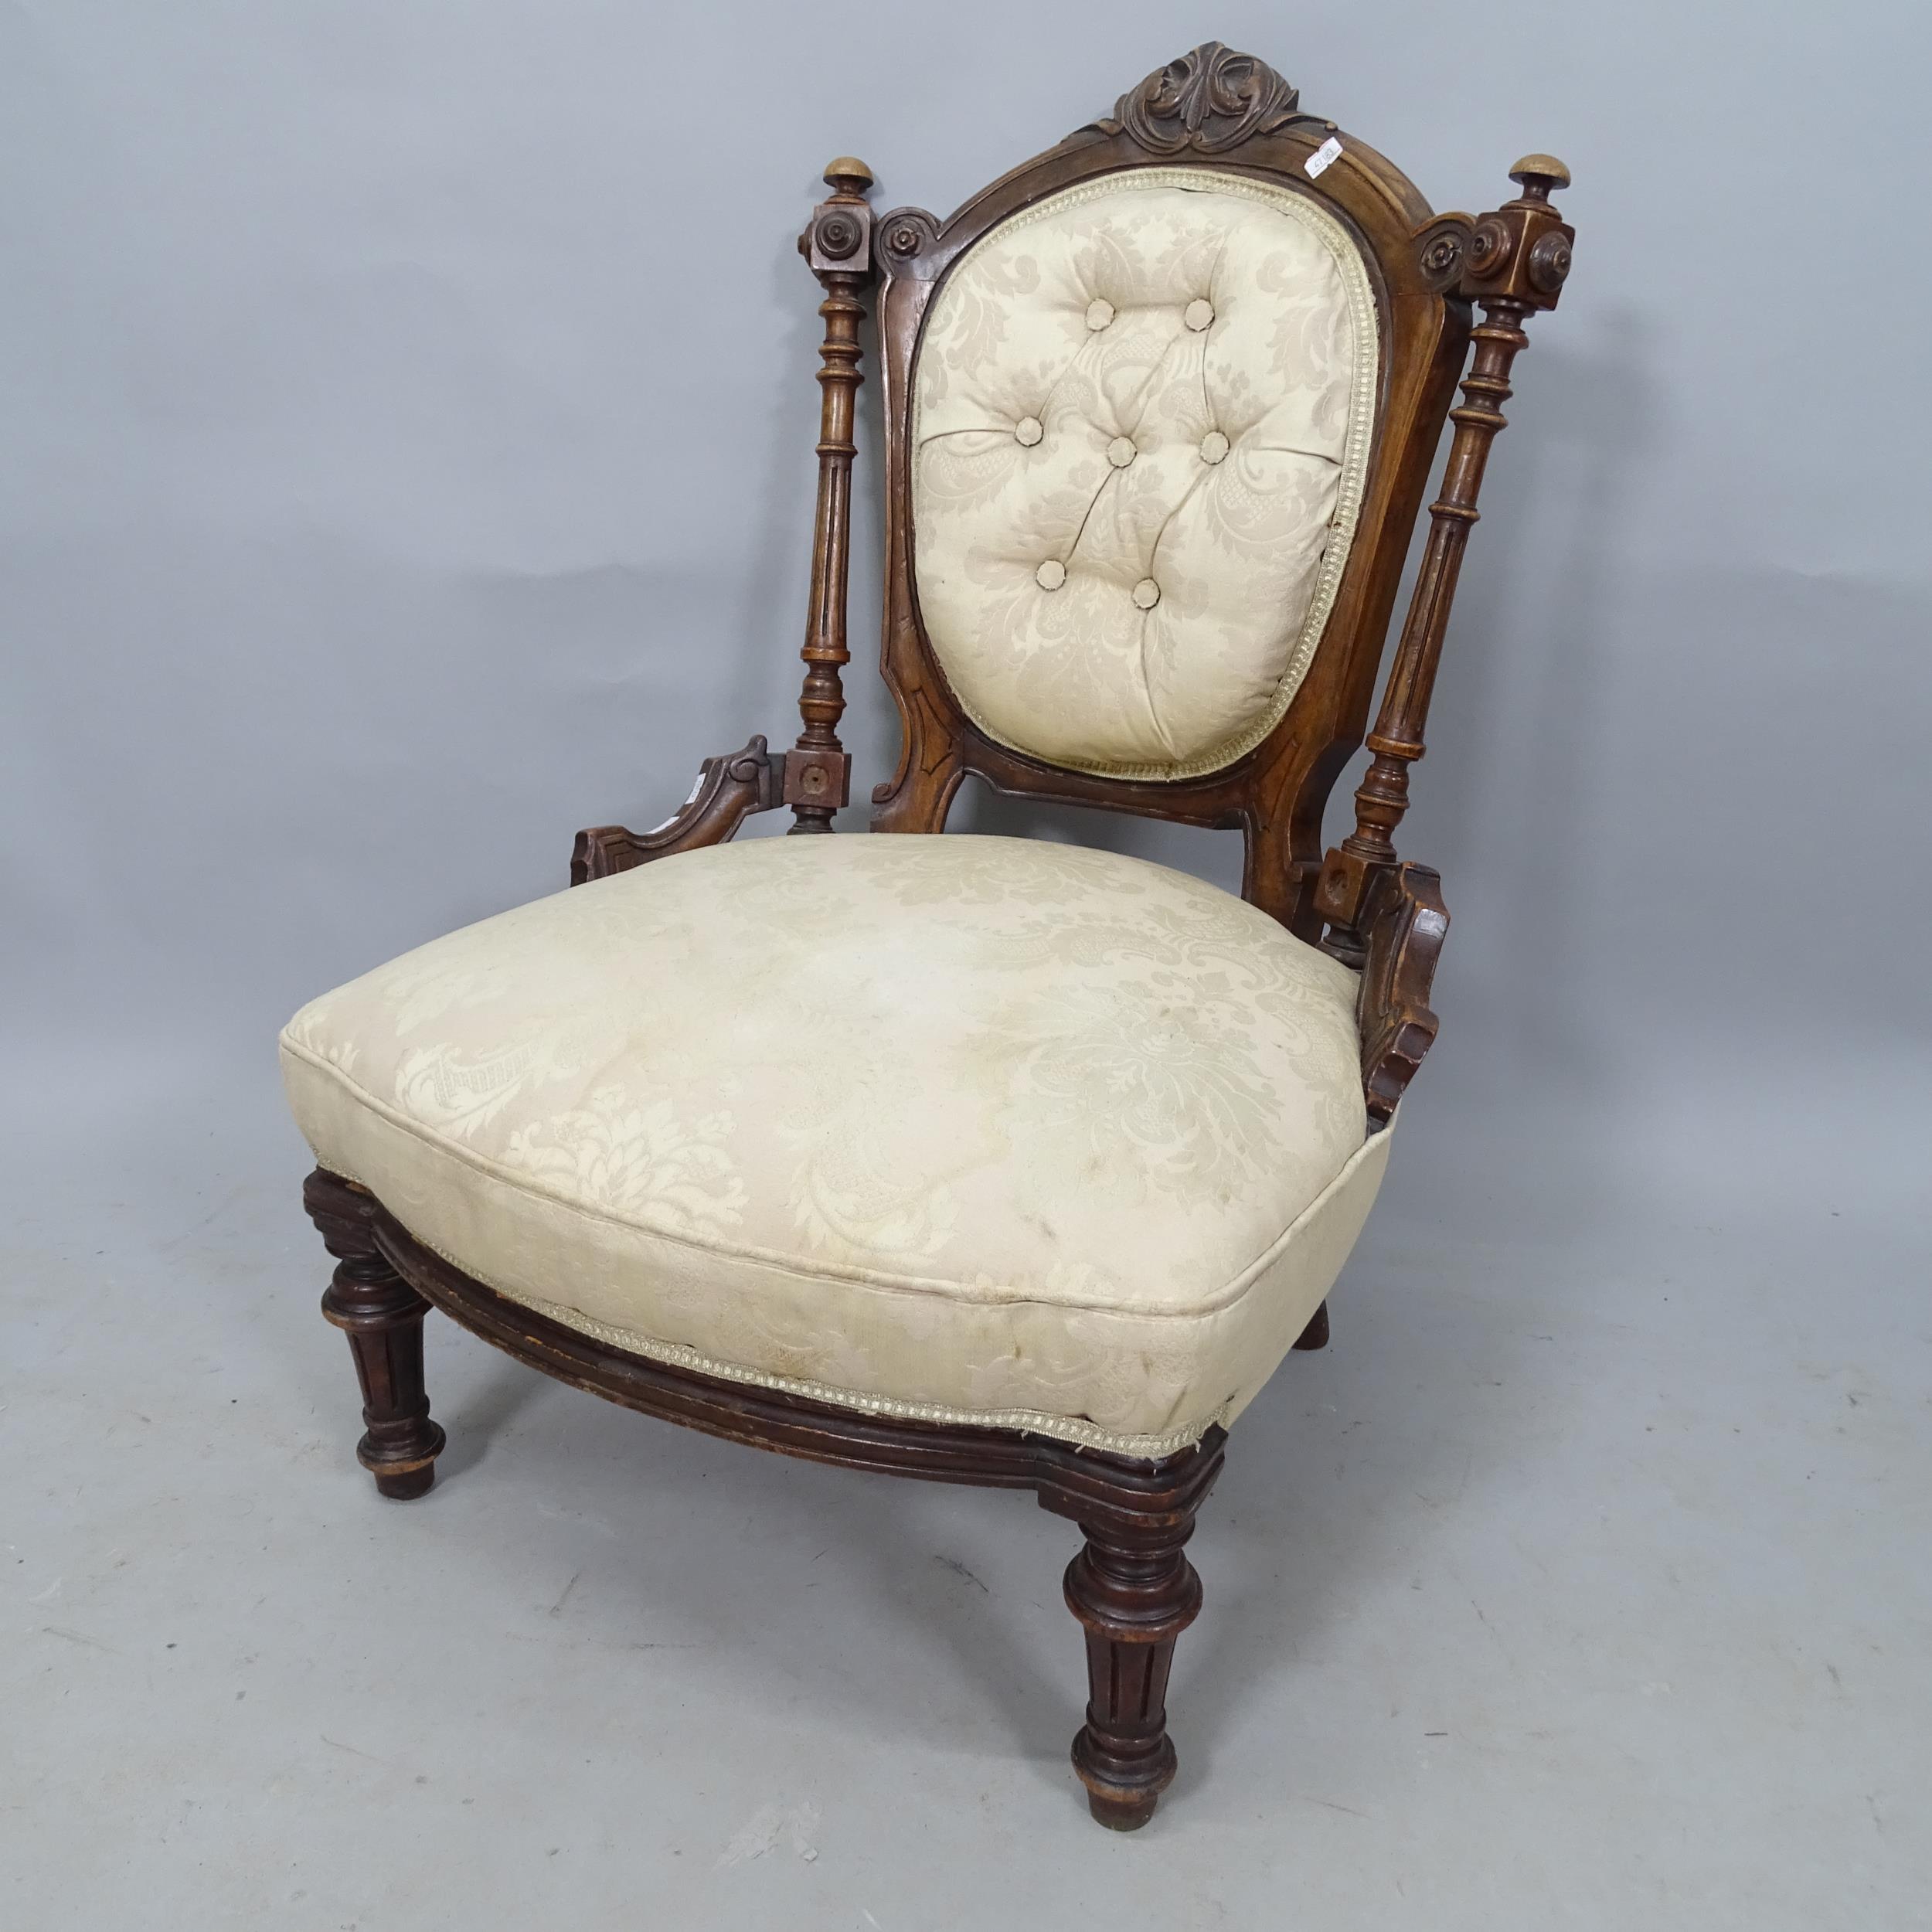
[
  {"x": 1316, "y": 1335},
  {"x": 383, "y": 1317},
  {"x": 1135, "y": 1592}
]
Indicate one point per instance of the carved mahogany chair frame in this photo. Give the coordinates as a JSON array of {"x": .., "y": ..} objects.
[{"x": 1130, "y": 1585}]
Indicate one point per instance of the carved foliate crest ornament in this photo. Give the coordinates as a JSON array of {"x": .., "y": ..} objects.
[{"x": 1211, "y": 99}]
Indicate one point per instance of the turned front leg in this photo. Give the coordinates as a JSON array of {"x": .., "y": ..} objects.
[
  {"x": 383, "y": 1317},
  {"x": 1135, "y": 1592}
]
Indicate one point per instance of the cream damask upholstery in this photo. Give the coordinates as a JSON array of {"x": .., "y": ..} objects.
[
  {"x": 974, "y": 1129},
  {"x": 1142, "y": 412}
]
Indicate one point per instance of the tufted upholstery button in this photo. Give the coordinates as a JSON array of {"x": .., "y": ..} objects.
[
  {"x": 1198, "y": 314},
  {"x": 1051, "y": 574},
  {"x": 1099, "y": 312},
  {"x": 1121, "y": 452},
  {"x": 1146, "y": 593},
  {"x": 1027, "y": 430},
  {"x": 1214, "y": 446}
]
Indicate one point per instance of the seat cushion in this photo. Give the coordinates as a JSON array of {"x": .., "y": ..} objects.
[{"x": 981, "y": 1130}]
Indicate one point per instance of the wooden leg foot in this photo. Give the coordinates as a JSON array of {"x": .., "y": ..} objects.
[
  {"x": 383, "y": 1317},
  {"x": 416, "y": 1482},
  {"x": 1316, "y": 1335},
  {"x": 1120, "y": 1814},
  {"x": 1135, "y": 1592}
]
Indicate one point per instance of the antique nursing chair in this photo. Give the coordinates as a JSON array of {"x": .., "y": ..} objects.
[{"x": 990, "y": 1160}]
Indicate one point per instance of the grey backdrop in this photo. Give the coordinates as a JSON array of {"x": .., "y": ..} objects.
[{"x": 405, "y": 415}]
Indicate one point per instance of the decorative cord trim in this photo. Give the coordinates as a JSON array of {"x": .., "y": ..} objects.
[{"x": 1032, "y": 1422}]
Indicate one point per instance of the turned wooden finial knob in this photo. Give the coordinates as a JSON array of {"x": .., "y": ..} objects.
[
  {"x": 851, "y": 176},
  {"x": 1539, "y": 174}
]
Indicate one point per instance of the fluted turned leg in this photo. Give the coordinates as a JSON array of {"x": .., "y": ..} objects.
[
  {"x": 383, "y": 1317},
  {"x": 1316, "y": 1335},
  {"x": 1135, "y": 1592}
]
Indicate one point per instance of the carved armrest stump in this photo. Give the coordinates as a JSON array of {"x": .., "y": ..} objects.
[{"x": 712, "y": 1169}]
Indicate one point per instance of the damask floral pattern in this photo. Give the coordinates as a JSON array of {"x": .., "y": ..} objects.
[
  {"x": 1160, "y": 385},
  {"x": 944, "y": 1120},
  {"x": 640, "y": 1161}
]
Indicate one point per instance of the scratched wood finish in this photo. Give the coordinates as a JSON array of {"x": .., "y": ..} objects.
[{"x": 1131, "y": 1584}]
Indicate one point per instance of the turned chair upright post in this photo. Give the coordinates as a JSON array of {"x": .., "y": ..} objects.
[
  {"x": 1518, "y": 259},
  {"x": 837, "y": 247}
]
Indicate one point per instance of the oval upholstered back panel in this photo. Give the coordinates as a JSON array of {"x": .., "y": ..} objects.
[{"x": 1141, "y": 412}]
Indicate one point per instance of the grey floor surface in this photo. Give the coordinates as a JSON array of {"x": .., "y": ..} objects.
[{"x": 1583, "y": 1582}]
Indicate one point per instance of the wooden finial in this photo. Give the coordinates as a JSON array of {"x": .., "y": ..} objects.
[
  {"x": 1540, "y": 175},
  {"x": 851, "y": 176},
  {"x": 838, "y": 236}
]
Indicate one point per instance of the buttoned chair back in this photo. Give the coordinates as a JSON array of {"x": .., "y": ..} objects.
[
  {"x": 1141, "y": 414},
  {"x": 1160, "y": 406}
]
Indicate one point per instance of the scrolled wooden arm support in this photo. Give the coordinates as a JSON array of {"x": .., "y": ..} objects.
[
  {"x": 1404, "y": 923},
  {"x": 730, "y": 788},
  {"x": 1517, "y": 260}
]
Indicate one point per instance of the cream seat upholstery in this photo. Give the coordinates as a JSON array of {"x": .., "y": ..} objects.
[{"x": 981, "y": 1130}]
